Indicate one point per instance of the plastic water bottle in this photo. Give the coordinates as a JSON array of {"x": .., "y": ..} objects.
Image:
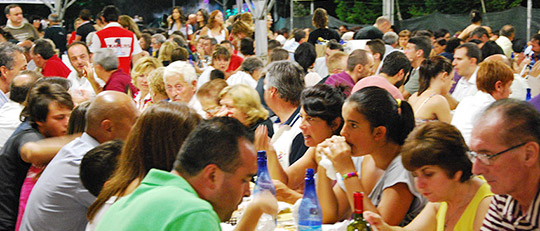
[
  {"x": 528, "y": 96},
  {"x": 309, "y": 212},
  {"x": 263, "y": 183}
]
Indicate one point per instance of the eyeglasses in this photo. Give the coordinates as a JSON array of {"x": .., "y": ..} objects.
[{"x": 485, "y": 159}]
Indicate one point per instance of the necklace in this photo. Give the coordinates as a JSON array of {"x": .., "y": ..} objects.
[{"x": 461, "y": 205}]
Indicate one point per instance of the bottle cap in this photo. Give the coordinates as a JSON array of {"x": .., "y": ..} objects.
[
  {"x": 261, "y": 154},
  {"x": 310, "y": 172},
  {"x": 358, "y": 202}
]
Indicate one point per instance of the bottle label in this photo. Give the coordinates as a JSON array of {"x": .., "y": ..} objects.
[{"x": 309, "y": 227}]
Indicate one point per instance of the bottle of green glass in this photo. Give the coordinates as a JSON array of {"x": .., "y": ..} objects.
[{"x": 358, "y": 223}]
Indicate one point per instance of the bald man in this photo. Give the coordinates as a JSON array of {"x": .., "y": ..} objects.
[
  {"x": 519, "y": 85},
  {"x": 59, "y": 201}
]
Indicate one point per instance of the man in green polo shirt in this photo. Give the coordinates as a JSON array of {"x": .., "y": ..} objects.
[{"x": 210, "y": 177}]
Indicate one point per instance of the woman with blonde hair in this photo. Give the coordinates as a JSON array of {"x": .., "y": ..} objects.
[
  {"x": 165, "y": 52},
  {"x": 156, "y": 86},
  {"x": 243, "y": 103},
  {"x": 139, "y": 76},
  {"x": 215, "y": 27},
  {"x": 129, "y": 24}
]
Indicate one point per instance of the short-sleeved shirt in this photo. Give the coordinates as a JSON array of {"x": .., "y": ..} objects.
[
  {"x": 324, "y": 33},
  {"x": 12, "y": 173},
  {"x": 505, "y": 214},
  {"x": 120, "y": 81},
  {"x": 84, "y": 29},
  {"x": 163, "y": 201},
  {"x": 394, "y": 174},
  {"x": 465, "y": 87},
  {"x": 413, "y": 83},
  {"x": 59, "y": 200},
  {"x": 58, "y": 35}
]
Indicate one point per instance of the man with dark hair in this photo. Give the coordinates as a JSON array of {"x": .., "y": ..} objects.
[
  {"x": 59, "y": 201},
  {"x": 359, "y": 66},
  {"x": 299, "y": 37},
  {"x": 46, "y": 114},
  {"x": 115, "y": 37},
  {"x": 417, "y": 50},
  {"x": 535, "y": 49},
  {"x": 377, "y": 49},
  {"x": 10, "y": 113},
  {"x": 86, "y": 26},
  {"x": 506, "y": 36},
  {"x": 479, "y": 33},
  {"x": 393, "y": 71},
  {"x": 12, "y": 61},
  {"x": 450, "y": 48},
  {"x": 16, "y": 26},
  {"x": 56, "y": 32},
  {"x": 45, "y": 58},
  {"x": 98, "y": 165},
  {"x": 505, "y": 151},
  {"x": 466, "y": 59},
  {"x": 79, "y": 57},
  {"x": 283, "y": 85},
  {"x": 211, "y": 175}
]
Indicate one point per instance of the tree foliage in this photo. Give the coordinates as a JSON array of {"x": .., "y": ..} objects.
[{"x": 366, "y": 11}]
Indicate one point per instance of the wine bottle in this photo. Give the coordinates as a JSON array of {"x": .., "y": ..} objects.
[
  {"x": 358, "y": 223},
  {"x": 309, "y": 212}
]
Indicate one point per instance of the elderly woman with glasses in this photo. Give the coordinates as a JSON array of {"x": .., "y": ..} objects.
[{"x": 438, "y": 158}]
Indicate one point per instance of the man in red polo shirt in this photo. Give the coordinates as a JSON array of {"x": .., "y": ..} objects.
[
  {"x": 45, "y": 58},
  {"x": 113, "y": 36}
]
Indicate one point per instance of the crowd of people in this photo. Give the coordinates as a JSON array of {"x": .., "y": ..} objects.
[{"x": 115, "y": 127}]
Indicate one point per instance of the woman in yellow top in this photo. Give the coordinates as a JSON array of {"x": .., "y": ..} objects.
[{"x": 436, "y": 154}]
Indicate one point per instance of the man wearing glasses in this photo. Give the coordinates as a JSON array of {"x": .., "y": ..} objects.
[{"x": 505, "y": 150}]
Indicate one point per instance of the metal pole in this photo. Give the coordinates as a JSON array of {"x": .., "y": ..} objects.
[
  {"x": 483, "y": 6},
  {"x": 292, "y": 16},
  {"x": 239, "y": 4},
  {"x": 529, "y": 18},
  {"x": 388, "y": 9},
  {"x": 261, "y": 39},
  {"x": 312, "y": 7}
]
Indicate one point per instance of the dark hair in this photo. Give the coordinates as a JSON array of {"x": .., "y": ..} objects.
[
  {"x": 519, "y": 117},
  {"x": 272, "y": 44},
  {"x": 381, "y": 109},
  {"x": 247, "y": 47},
  {"x": 441, "y": 41},
  {"x": 278, "y": 54},
  {"x": 75, "y": 43},
  {"x": 325, "y": 102},
  {"x": 425, "y": 33},
  {"x": 85, "y": 14},
  {"x": 216, "y": 74},
  {"x": 43, "y": 48},
  {"x": 422, "y": 43},
  {"x": 305, "y": 55},
  {"x": 77, "y": 119},
  {"x": 179, "y": 54},
  {"x": 440, "y": 144},
  {"x": 451, "y": 45},
  {"x": 63, "y": 82},
  {"x": 476, "y": 16},
  {"x": 205, "y": 16},
  {"x": 18, "y": 92},
  {"x": 479, "y": 32},
  {"x": 299, "y": 35},
  {"x": 491, "y": 48},
  {"x": 394, "y": 62},
  {"x": 536, "y": 38},
  {"x": 333, "y": 45},
  {"x": 9, "y": 7},
  {"x": 440, "y": 33},
  {"x": 472, "y": 51},
  {"x": 41, "y": 95},
  {"x": 182, "y": 17},
  {"x": 377, "y": 47},
  {"x": 320, "y": 18},
  {"x": 110, "y": 13},
  {"x": 98, "y": 164},
  {"x": 221, "y": 52},
  {"x": 430, "y": 68},
  {"x": 518, "y": 45},
  {"x": 214, "y": 141},
  {"x": 163, "y": 125}
]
